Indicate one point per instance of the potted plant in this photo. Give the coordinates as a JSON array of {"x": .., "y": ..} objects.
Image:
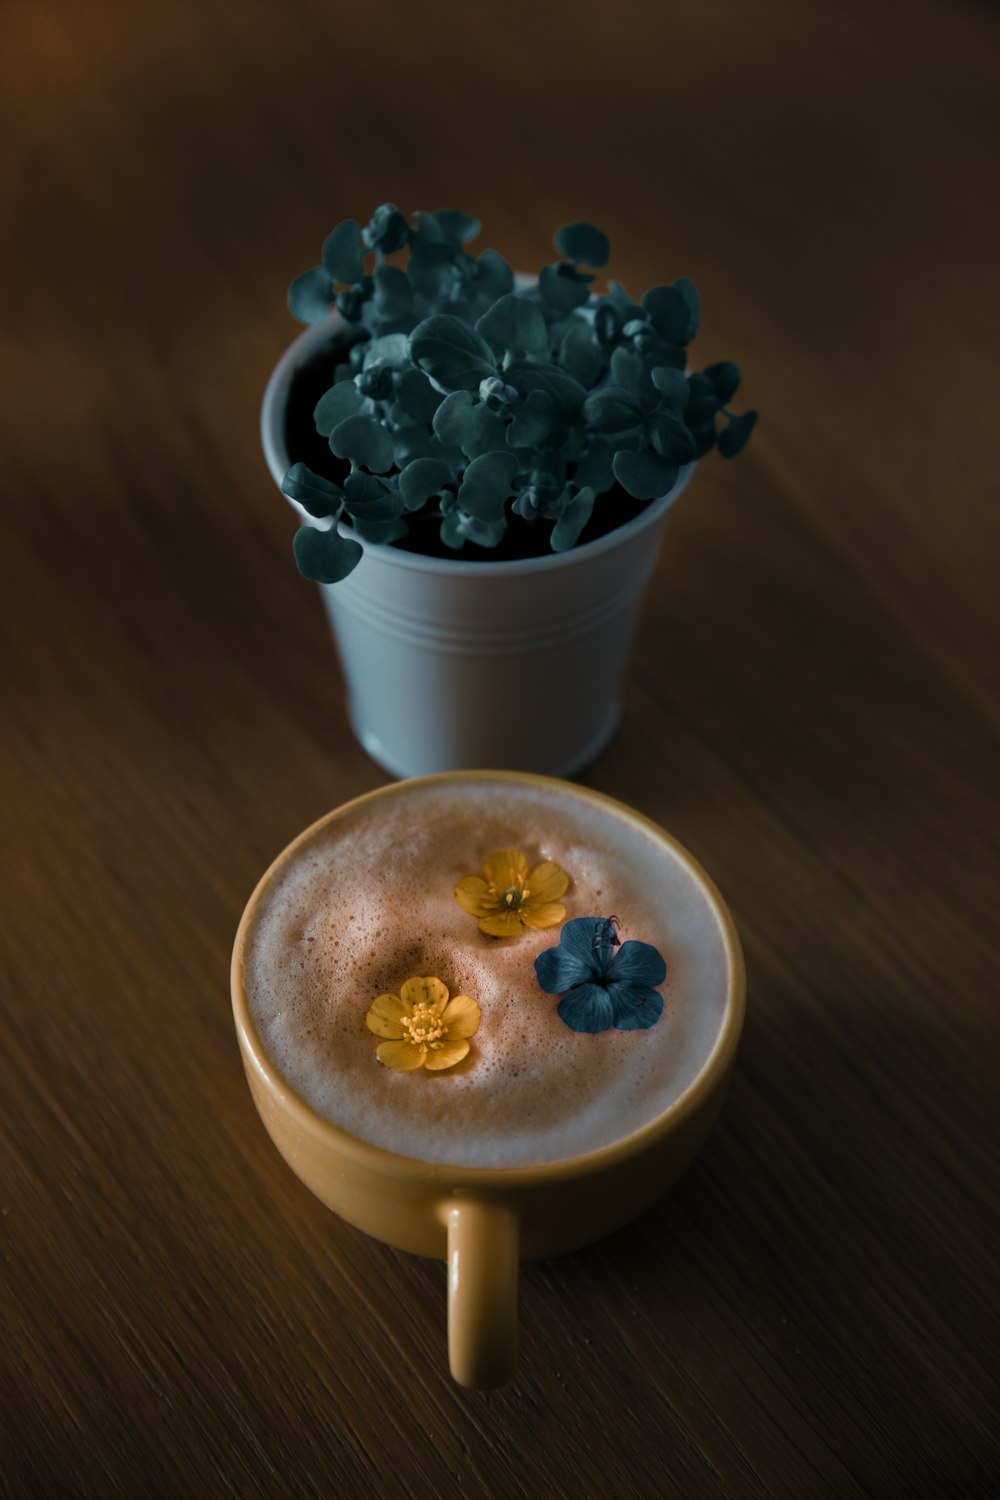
[{"x": 482, "y": 464}]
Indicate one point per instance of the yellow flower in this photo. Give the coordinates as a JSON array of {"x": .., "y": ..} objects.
[
  {"x": 512, "y": 896},
  {"x": 425, "y": 1028}
]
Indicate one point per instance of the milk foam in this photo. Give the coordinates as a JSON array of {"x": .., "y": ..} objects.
[{"x": 368, "y": 901}]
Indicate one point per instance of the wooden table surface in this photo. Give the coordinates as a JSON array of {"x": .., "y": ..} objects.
[{"x": 811, "y": 708}]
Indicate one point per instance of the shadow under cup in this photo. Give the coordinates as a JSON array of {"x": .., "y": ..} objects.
[{"x": 483, "y": 1220}]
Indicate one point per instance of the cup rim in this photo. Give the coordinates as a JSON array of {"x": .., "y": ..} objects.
[
  {"x": 276, "y": 456},
  {"x": 366, "y": 1154}
]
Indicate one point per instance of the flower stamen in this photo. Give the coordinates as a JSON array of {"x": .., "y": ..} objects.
[{"x": 423, "y": 1028}]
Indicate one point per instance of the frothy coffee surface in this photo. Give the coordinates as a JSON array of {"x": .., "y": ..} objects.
[{"x": 368, "y": 901}]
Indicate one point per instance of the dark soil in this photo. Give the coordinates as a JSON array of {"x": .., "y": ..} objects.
[{"x": 521, "y": 539}]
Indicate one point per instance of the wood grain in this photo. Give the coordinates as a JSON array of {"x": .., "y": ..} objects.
[{"x": 812, "y": 708}]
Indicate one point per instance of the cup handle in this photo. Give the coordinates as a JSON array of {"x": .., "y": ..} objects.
[{"x": 482, "y": 1292}]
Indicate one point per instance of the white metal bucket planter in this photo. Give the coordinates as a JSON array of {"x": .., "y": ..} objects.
[{"x": 454, "y": 665}]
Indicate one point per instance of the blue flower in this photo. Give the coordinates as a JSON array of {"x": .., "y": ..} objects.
[{"x": 602, "y": 987}]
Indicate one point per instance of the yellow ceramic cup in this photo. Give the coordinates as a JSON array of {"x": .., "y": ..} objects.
[{"x": 483, "y": 1221}]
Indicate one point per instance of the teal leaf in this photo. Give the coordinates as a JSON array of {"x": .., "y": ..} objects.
[
  {"x": 725, "y": 378},
  {"x": 545, "y": 495},
  {"x": 496, "y": 393},
  {"x": 672, "y": 385},
  {"x": 736, "y": 433},
  {"x": 488, "y": 435},
  {"x": 457, "y": 528},
  {"x": 700, "y": 384},
  {"x": 393, "y": 293},
  {"x": 487, "y": 483},
  {"x": 692, "y": 301},
  {"x": 380, "y": 532},
  {"x": 567, "y": 395},
  {"x": 631, "y": 372},
  {"x": 611, "y": 408},
  {"x": 646, "y": 476},
  {"x": 454, "y": 419},
  {"x": 580, "y": 353},
  {"x": 608, "y": 321},
  {"x": 317, "y": 495},
  {"x": 447, "y": 224},
  {"x": 594, "y": 470},
  {"x": 494, "y": 277},
  {"x": 623, "y": 302},
  {"x": 430, "y": 267},
  {"x": 461, "y": 422},
  {"x": 532, "y": 421},
  {"x": 340, "y": 402},
  {"x": 412, "y": 442},
  {"x": 364, "y": 442},
  {"x": 673, "y": 310},
  {"x": 671, "y": 356},
  {"x": 310, "y": 296},
  {"x": 484, "y": 533},
  {"x": 423, "y": 478},
  {"x": 562, "y": 288},
  {"x": 325, "y": 556},
  {"x": 700, "y": 409},
  {"x": 666, "y": 310},
  {"x": 417, "y": 397},
  {"x": 670, "y": 437},
  {"x": 425, "y": 229},
  {"x": 451, "y": 353},
  {"x": 463, "y": 309},
  {"x": 387, "y": 231},
  {"x": 351, "y": 303},
  {"x": 375, "y": 380},
  {"x": 371, "y": 499},
  {"x": 703, "y": 434},
  {"x": 566, "y": 531},
  {"x": 456, "y": 226},
  {"x": 583, "y": 245},
  {"x": 517, "y": 325},
  {"x": 343, "y": 257},
  {"x": 453, "y": 529},
  {"x": 389, "y": 349}
]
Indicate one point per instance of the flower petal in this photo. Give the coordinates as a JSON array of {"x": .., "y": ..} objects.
[
  {"x": 636, "y": 1007},
  {"x": 574, "y": 961},
  {"x": 637, "y": 963},
  {"x": 587, "y": 1008},
  {"x": 505, "y": 868},
  {"x": 385, "y": 1017},
  {"x": 546, "y": 882},
  {"x": 403, "y": 1056},
  {"x": 461, "y": 1017},
  {"x": 503, "y": 924},
  {"x": 445, "y": 1056},
  {"x": 473, "y": 896},
  {"x": 584, "y": 936},
  {"x": 427, "y": 991},
  {"x": 542, "y": 914}
]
